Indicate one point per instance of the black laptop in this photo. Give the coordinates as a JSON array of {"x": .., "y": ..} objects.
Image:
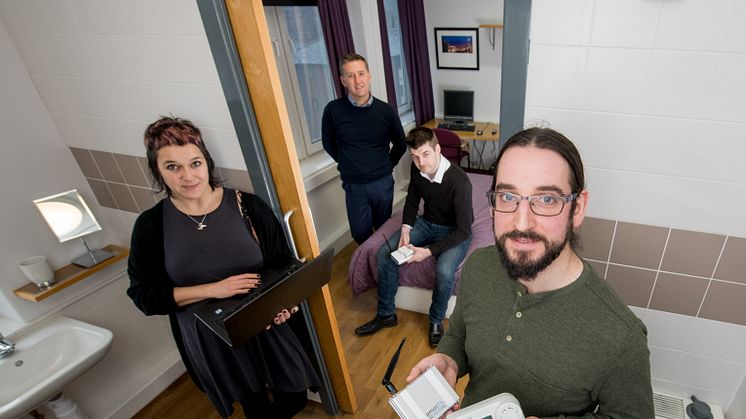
[{"x": 239, "y": 318}]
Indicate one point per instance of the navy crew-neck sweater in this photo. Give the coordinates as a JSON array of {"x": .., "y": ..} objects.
[{"x": 359, "y": 139}]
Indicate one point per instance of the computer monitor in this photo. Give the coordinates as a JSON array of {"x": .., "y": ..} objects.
[{"x": 458, "y": 105}]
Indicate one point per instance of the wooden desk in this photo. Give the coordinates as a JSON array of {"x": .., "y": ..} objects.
[{"x": 490, "y": 133}]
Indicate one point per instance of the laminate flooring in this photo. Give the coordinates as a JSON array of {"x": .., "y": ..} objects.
[{"x": 367, "y": 358}]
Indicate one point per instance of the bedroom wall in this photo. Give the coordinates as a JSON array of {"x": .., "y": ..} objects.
[{"x": 652, "y": 92}]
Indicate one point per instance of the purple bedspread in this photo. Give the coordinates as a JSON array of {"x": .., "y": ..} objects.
[{"x": 362, "y": 274}]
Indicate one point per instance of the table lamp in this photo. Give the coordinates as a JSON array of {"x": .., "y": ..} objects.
[{"x": 69, "y": 217}]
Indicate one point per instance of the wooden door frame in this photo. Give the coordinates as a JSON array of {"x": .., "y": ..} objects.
[{"x": 276, "y": 159}]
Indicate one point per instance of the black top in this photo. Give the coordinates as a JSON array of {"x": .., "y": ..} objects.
[
  {"x": 274, "y": 358},
  {"x": 359, "y": 139},
  {"x": 446, "y": 203}
]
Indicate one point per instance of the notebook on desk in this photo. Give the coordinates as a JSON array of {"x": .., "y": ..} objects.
[{"x": 239, "y": 318}]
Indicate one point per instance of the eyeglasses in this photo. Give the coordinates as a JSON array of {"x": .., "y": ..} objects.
[{"x": 545, "y": 205}]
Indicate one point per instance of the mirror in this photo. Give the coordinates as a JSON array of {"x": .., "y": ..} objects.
[{"x": 69, "y": 217}]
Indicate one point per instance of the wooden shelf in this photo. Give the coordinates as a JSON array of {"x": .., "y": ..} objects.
[
  {"x": 491, "y": 25},
  {"x": 69, "y": 275}
]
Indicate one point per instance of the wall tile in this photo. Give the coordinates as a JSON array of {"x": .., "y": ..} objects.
[
  {"x": 85, "y": 161},
  {"x": 87, "y": 97},
  {"x": 650, "y": 199},
  {"x": 554, "y": 78},
  {"x": 694, "y": 25},
  {"x": 725, "y": 302},
  {"x": 678, "y": 294},
  {"x": 121, "y": 57},
  {"x": 51, "y": 93},
  {"x": 599, "y": 267},
  {"x": 143, "y": 162},
  {"x": 668, "y": 330},
  {"x": 78, "y": 56},
  {"x": 704, "y": 215},
  {"x": 604, "y": 198},
  {"x": 54, "y": 58},
  {"x": 627, "y": 68},
  {"x": 576, "y": 15},
  {"x": 107, "y": 166},
  {"x": 237, "y": 179},
  {"x": 718, "y": 161},
  {"x": 26, "y": 45},
  {"x": 736, "y": 42},
  {"x": 144, "y": 197},
  {"x": 717, "y": 339},
  {"x": 61, "y": 17},
  {"x": 25, "y": 16},
  {"x": 625, "y": 24},
  {"x": 633, "y": 285},
  {"x": 732, "y": 264},
  {"x": 102, "y": 193},
  {"x": 182, "y": 59},
  {"x": 131, "y": 170},
  {"x": 638, "y": 245},
  {"x": 686, "y": 390},
  {"x": 663, "y": 363},
  {"x": 123, "y": 197},
  {"x": 726, "y": 99},
  {"x": 596, "y": 237},
  {"x": 714, "y": 374},
  {"x": 692, "y": 253}
]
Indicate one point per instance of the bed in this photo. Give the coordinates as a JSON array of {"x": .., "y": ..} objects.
[{"x": 416, "y": 279}]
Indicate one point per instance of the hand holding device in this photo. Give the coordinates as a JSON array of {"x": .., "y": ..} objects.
[{"x": 399, "y": 255}]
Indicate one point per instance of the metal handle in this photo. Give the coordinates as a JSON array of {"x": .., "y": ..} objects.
[{"x": 291, "y": 240}]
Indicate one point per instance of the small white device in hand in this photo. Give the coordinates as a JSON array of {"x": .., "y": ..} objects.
[
  {"x": 502, "y": 406},
  {"x": 399, "y": 255},
  {"x": 429, "y": 396}
]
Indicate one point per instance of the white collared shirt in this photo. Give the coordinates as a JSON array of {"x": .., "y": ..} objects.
[{"x": 442, "y": 167}]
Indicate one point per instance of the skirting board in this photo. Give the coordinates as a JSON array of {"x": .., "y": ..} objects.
[{"x": 419, "y": 299}]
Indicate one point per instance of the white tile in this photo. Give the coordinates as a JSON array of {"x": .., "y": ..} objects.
[
  {"x": 663, "y": 362},
  {"x": 50, "y": 93},
  {"x": 102, "y": 295},
  {"x": 132, "y": 132},
  {"x": 25, "y": 16},
  {"x": 110, "y": 313},
  {"x": 685, "y": 391},
  {"x": 79, "y": 58},
  {"x": 720, "y": 155},
  {"x": 694, "y": 213},
  {"x": 98, "y": 133},
  {"x": 710, "y": 373},
  {"x": 679, "y": 83},
  {"x": 61, "y": 16},
  {"x": 554, "y": 76},
  {"x": 89, "y": 17},
  {"x": 640, "y": 312},
  {"x": 727, "y": 99},
  {"x": 122, "y": 57},
  {"x": 182, "y": 60},
  {"x": 650, "y": 199},
  {"x": 668, "y": 330},
  {"x": 658, "y": 145},
  {"x": 53, "y": 56},
  {"x": 737, "y": 406},
  {"x": 565, "y": 23},
  {"x": 183, "y": 18},
  {"x": 738, "y": 228},
  {"x": 614, "y": 80},
  {"x": 224, "y": 148},
  {"x": 694, "y": 25},
  {"x": 718, "y": 339},
  {"x": 604, "y": 198},
  {"x": 736, "y": 40},
  {"x": 86, "y": 97},
  {"x": 631, "y": 23},
  {"x": 67, "y": 128},
  {"x": 26, "y": 46}
]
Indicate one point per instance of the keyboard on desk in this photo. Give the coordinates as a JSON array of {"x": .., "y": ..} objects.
[{"x": 456, "y": 126}]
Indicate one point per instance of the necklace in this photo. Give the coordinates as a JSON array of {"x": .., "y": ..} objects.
[{"x": 201, "y": 223}]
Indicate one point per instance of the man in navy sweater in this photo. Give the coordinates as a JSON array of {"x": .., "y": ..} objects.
[
  {"x": 365, "y": 137},
  {"x": 443, "y": 231}
]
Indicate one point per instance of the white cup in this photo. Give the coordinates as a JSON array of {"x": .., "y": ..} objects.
[{"x": 38, "y": 271}]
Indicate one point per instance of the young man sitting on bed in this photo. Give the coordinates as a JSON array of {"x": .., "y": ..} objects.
[{"x": 443, "y": 231}]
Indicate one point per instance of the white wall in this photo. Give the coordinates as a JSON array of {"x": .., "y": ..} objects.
[
  {"x": 654, "y": 95},
  {"x": 486, "y": 81}
]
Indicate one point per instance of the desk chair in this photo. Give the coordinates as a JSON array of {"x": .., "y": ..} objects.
[{"x": 451, "y": 146}]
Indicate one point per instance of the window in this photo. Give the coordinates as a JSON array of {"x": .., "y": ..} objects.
[
  {"x": 398, "y": 63},
  {"x": 303, "y": 64}
]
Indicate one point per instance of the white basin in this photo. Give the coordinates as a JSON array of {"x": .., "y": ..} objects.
[{"x": 47, "y": 357}]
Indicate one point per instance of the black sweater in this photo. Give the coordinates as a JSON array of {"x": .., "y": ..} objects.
[
  {"x": 359, "y": 139},
  {"x": 151, "y": 288},
  {"x": 446, "y": 203}
]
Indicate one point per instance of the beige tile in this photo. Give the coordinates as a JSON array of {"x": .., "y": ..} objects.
[
  {"x": 633, "y": 285},
  {"x": 85, "y": 162},
  {"x": 107, "y": 166},
  {"x": 691, "y": 252},
  {"x": 131, "y": 170},
  {"x": 102, "y": 193},
  {"x": 678, "y": 294},
  {"x": 732, "y": 265},
  {"x": 638, "y": 245},
  {"x": 144, "y": 197},
  {"x": 725, "y": 302},
  {"x": 237, "y": 179},
  {"x": 596, "y": 234},
  {"x": 143, "y": 162},
  {"x": 599, "y": 267},
  {"x": 121, "y": 194}
]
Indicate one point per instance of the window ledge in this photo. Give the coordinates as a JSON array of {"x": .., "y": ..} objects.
[{"x": 318, "y": 169}]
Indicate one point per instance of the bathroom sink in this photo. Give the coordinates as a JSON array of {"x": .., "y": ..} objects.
[{"x": 47, "y": 357}]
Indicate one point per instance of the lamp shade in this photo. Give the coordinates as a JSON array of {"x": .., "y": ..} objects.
[{"x": 67, "y": 215}]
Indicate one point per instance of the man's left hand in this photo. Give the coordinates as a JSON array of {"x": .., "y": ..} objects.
[{"x": 420, "y": 254}]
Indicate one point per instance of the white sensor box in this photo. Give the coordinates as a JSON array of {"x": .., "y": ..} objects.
[
  {"x": 402, "y": 254},
  {"x": 429, "y": 396}
]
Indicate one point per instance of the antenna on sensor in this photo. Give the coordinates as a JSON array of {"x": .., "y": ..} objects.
[
  {"x": 386, "y": 240},
  {"x": 390, "y": 370}
]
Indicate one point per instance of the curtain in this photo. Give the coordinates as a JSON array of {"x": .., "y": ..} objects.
[
  {"x": 388, "y": 72},
  {"x": 414, "y": 38},
  {"x": 335, "y": 23}
]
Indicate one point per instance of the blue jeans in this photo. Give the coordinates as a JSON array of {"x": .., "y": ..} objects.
[
  {"x": 423, "y": 233},
  {"x": 368, "y": 206}
]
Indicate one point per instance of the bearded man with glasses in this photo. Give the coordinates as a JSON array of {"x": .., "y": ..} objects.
[{"x": 532, "y": 318}]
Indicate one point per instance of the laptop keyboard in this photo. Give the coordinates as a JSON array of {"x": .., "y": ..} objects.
[
  {"x": 256, "y": 292},
  {"x": 453, "y": 126}
]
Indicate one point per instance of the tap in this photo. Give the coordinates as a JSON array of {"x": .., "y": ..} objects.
[{"x": 6, "y": 347}]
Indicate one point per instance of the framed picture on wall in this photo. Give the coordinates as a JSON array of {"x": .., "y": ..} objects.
[{"x": 457, "y": 48}]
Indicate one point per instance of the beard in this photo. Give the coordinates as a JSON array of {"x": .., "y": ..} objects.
[{"x": 522, "y": 267}]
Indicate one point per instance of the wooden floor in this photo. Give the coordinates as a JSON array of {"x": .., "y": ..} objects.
[{"x": 367, "y": 358}]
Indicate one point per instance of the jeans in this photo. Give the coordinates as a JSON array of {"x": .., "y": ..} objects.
[
  {"x": 422, "y": 234},
  {"x": 368, "y": 206}
]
